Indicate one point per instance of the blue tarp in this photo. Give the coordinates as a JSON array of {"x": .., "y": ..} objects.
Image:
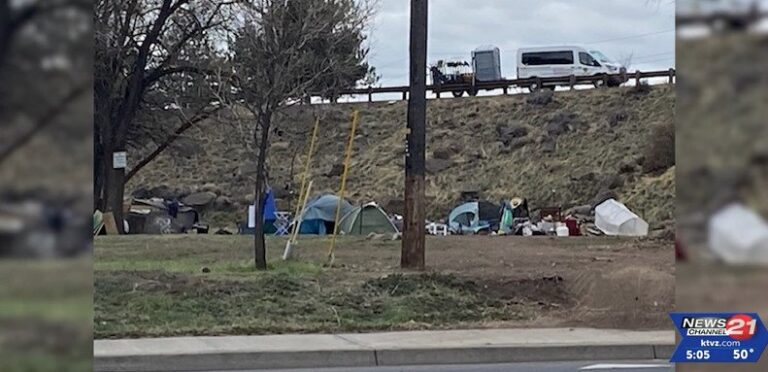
[{"x": 269, "y": 206}]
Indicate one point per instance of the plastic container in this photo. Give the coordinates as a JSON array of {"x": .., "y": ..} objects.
[{"x": 562, "y": 230}]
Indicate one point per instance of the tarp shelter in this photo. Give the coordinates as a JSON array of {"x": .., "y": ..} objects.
[
  {"x": 614, "y": 218},
  {"x": 158, "y": 216},
  {"x": 738, "y": 235},
  {"x": 366, "y": 219},
  {"x": 319, "y": 215},
  {"x": 473, "y": 217},
  {"x": 269, "y": 213}
]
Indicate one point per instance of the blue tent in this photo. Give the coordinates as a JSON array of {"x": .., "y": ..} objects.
[{"x": 320, "y": 214}]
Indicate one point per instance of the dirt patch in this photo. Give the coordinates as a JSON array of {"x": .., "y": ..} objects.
[{"x": 640, "y": 296}]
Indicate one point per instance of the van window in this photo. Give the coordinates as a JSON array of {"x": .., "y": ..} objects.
[
  {"x": 587, "y": 60},
  {"x": 548, "y": 58}
]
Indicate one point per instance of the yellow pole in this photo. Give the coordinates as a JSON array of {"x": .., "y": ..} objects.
[
  {"x": 288, "y": 252},
  {"x": 304, "y": 178},
  {"x": 347, "y": 157}
]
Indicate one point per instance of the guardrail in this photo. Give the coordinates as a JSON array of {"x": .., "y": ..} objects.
[{"x": 505, "y": 84}]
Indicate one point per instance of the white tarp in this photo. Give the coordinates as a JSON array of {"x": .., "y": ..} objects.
[
  {"x": 738, "y": 235},
  {"x": 614, "y": 218}
]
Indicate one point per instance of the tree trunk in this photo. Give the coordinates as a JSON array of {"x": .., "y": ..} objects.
[
  {"x": 116, "y": 191},
  {"x": 259, "y": 245}
]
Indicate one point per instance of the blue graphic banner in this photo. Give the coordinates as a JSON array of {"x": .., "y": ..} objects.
[{"x": 719, "y": 337}]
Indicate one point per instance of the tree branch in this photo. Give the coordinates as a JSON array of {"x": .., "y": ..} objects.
[
  {"x": 168, "y": 141},
  {"x": 43, "y": 121}
]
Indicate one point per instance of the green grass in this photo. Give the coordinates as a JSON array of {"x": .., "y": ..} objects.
[
  {"x": 155, "y": 286},
  {"x": 45, "y": 315}
]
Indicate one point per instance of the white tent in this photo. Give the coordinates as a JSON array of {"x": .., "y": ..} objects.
[
  {"x": 614, "y": 218},
  {"x": 739, "y": 236}
]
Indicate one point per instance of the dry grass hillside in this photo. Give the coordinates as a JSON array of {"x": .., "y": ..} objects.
[{"x": 562, "y": 149}]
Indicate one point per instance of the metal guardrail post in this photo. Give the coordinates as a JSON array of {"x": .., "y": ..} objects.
[
  {"x": 637, "y": 78},
  {"x": 671, "y": 76},
  {"x": 572, "y": 82}
]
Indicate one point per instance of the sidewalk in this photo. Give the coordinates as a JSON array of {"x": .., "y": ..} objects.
[{"x": 379, "y": 349}]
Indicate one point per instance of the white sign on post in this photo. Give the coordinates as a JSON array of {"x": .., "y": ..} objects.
[
  {"x": 120, "y": 160},
  {"x": 251, "y": 216}
]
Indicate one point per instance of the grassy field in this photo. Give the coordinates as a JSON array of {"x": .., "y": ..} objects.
[
  {"x": 206, "y": 285},
  {"x": 45, "y": 315}
]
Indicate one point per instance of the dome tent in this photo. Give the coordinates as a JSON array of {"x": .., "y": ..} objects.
[
  {"x": 614, "y": 218},
  {"x": 319, "y": 215},
  {"x": 366, "y": 219},
  {"x": 473, "y": 217}
]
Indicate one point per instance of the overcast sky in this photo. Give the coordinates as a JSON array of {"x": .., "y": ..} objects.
[{"x": 643, "y": 29}]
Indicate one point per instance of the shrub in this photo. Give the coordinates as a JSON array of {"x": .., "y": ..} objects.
[{"x": 660, "y": 148}]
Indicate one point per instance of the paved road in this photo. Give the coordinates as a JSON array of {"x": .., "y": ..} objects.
[{"x": 580, "y": 366}]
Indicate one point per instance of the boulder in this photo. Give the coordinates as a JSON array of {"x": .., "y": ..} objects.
[
  {"x": 456, "y": 147},
  {"x": 222, "y": 202},
  {"x": 508, "y": 132},
  {"x": 284, "y": 145},
  {"x": 584, "y": 210},
  {"x": 443, "y": 154},
  {"x": 618, "y": 117},
  {"x": 435, "y": 166},
  {"x": 336, "y": 170},
  {"x": 163, "y": 192},
  {"x": 602, "y": 196},
  {"x": 561, "y": 123},
  {"x": 515, "y": 144},
  {"x": 199, "y": 198},
  {"x": 549, "y": 145}
]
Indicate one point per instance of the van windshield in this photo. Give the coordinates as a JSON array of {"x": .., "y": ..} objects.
[{"x": 599, "y": 56}]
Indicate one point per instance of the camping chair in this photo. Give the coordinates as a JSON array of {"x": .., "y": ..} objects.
[
  {"x": 437, "y": 229},
  {"x": 282, "y": 223}
]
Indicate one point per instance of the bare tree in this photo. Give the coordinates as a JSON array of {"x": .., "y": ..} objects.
[
  {"x": 286, "y": 51},
  {"x": 147, "y": 50}
]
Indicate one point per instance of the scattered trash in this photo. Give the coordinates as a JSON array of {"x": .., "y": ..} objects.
[
  {"x": 738, "y": 235},
  {"x": 614, "y": 218}
]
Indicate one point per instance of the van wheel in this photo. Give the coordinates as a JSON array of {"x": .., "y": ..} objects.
[
  {"x": 457, "y": 93},
  {"x": 598, "y": 83}
]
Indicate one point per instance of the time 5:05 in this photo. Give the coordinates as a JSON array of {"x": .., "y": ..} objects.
[{"x": 697, "y": 354}]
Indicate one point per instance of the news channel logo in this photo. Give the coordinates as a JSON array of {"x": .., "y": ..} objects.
[{"x": 719, "y": 337}]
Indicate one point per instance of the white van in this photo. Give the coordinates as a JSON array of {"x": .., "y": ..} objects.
[{"x": 564, "y": 61}]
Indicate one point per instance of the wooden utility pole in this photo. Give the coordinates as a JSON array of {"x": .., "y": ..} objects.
[{"x": 412, "y": 255}]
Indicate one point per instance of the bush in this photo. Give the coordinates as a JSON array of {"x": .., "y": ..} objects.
[{"x": 660, "y": 148}]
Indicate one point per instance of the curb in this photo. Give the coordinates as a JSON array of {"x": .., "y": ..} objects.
[{"x": 362, "y": 357}]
